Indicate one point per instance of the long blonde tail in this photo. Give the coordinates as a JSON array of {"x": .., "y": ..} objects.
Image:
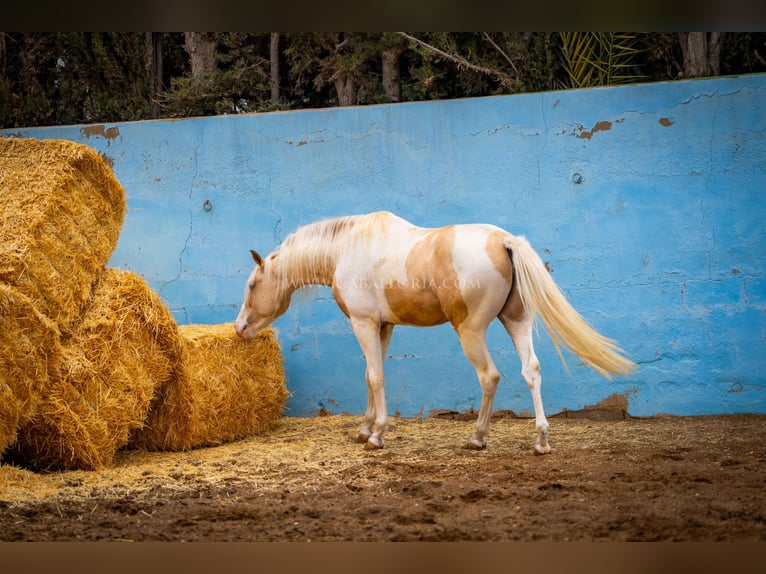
[{"x": 540, "y": 295}]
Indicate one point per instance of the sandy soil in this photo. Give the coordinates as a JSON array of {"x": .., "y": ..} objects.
[{"x": 669, "y": 478}]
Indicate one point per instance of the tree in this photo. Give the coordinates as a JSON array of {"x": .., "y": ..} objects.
[
  {"x": 238, "y": 83},
  {"x": 344, "y": 65},
  {"x": 341, "y": 61},
  {"x": 55, "y": 78},
  {"x": 393, "y": 48},
  {"x": 99, "y": 77},
  {"x": 73, "y": 77},
  {"x": 702, "y": 53},
  {"x": 445, "y": 65},
  {"x": 451, "y": 55}
]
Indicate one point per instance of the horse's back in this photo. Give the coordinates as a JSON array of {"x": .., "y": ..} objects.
[
  {"x": 398, "y": 247},
  {"x": 426, "y": 276}
]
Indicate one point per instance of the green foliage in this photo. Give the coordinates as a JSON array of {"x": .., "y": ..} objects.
[
  {"x": 57, "y": 78},
  {"x": 599, "y": 58},
  {"x": 101, "y": 77},
  {"x": 240, "y": 84},
  {"x": 73, "y": 77},
  {"x": 27, "y": 81},
  {"x": 318, "y": 61}
]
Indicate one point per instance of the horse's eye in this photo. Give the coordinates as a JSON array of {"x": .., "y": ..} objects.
[{"x": 251, "y": 286}]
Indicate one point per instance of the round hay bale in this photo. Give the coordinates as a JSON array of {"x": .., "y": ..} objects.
[
  {"x": 30, "y": 355},
  {"x": 60, "y": 218},
  {"x": 226, "y": 389},
  {"x": 125, "y": 346}
]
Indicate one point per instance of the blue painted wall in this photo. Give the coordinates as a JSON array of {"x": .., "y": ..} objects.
[{"x": 647, "y": 201}]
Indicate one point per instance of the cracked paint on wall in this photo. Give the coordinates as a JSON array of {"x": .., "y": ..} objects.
[{"x": 650, "y": 219}]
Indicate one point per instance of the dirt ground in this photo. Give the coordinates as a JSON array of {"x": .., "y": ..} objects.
[{"x": 638, "y": 479}]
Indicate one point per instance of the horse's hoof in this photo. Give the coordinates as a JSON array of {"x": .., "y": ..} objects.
[
  {"x": 541, "y": 450},
  {"x": 368, "y": 445},
  {"x": 473, "y": 446},
  {"x": 362, "y": 438}
]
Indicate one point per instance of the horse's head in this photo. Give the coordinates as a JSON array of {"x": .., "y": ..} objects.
[{"x": 265, "y": 300}]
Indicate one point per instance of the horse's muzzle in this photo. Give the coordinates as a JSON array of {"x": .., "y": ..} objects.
[{"x": 241, "y": 328}]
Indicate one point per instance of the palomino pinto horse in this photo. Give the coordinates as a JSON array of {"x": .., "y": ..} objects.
[{"x": 385, "y": 271}]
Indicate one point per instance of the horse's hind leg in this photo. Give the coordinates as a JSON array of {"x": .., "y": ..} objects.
[
  {"x": 474, "y": 345},
  {"x": 520, "y": 330}
]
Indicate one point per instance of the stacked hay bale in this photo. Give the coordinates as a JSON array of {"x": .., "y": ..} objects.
[
  {"x": 123, "y": 349},
  {"x": 60, "y": 217},
  {"x": 30, "y": 355},
  {"x": 89, "y": 354},
  {"x": 62, "y": 211}
]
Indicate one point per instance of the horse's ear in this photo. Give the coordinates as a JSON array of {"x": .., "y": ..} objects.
[{"x": 257, "y": 258}]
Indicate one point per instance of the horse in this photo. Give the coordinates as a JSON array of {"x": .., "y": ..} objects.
[{"x": 385, "y": 271}]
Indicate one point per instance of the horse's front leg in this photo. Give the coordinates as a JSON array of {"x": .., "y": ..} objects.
[
  {"x": 373, "y": 339},
  {"x": 365, "y": 431}
]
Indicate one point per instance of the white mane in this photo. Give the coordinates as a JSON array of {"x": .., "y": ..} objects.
[{"x": 309, "y": 254}]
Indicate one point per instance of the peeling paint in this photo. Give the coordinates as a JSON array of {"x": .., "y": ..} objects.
[
  {"x": 615, "y": 400},
  {"x": 613, "y": 407},
  {"x": 599, "y": 127},
  {"x": 665, "y": 122},
  {"x": 100, "y": 130}
]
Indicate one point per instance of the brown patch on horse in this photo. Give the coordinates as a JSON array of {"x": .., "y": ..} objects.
[
  {"x": 513, "y": 308},
  {"x": 431, "y": 294},
  {"x": 498, "y": 254}
]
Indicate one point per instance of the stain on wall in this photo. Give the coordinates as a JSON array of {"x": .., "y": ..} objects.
[
  {"x": 642, "y": 218},
  {"x": 599, "y": 127},
  {"x": 100, "y": 130}
]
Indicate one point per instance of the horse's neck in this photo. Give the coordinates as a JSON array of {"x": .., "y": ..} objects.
[
  {"x": 312, "y": 253},
  {"x": 302, "y": 267}
]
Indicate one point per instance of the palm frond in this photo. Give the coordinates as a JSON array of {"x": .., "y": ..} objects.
[{"x": 599, "y": 58}]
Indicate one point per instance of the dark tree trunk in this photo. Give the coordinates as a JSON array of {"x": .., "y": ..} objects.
[
  {"x": 201, "y": 48},
  {"x": 347, "y": 89},
  {"x": 275, "y": 72},
  {"x": 702, "y": 53},
  {"x": 392, "y": 72},
  {"x": 2, "y": 53},
  {"x": 154, "y": 66}
]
